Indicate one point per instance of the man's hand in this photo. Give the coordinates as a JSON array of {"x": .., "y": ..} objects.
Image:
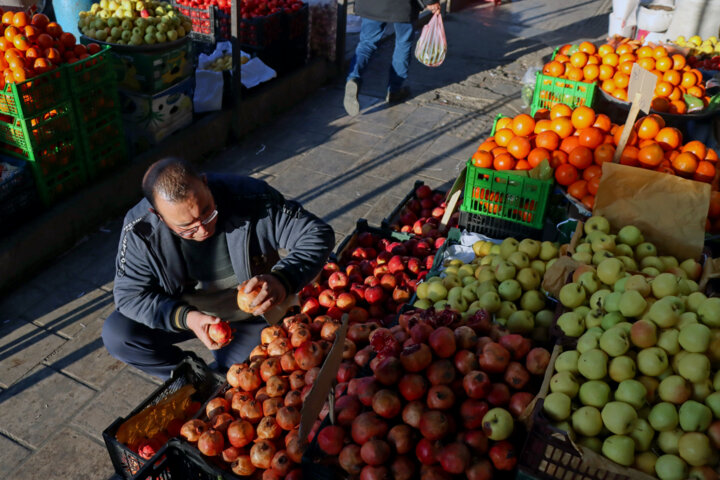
[
  {"x": 434, "y": 8},
  {"x": 200, "y": 323},
  {"x": 272, "y": 292}
]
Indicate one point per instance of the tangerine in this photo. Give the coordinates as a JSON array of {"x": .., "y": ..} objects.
[
  {"x": 523, "y": 124},
  {"x": 20, "y": 19},
  {"x": 591, "y": 137},
  {"x": 582, "y": 117},
  {"x": 660, "y": 52},
  {"x": 537, "y": 155},
  {"x": 541, "y": 126},
  {"x": 685, "y": 164},
  {"x": 650, "y": 156},
  {"x": 566, "y": 174},
  {"x": 679, "y": 61},
  {"x": 548, "y": 140},
  {"x": 560, "y": 110},
  {"x": 562, "y": 126},
  {"x": 696, "y": 147},
  {"x": 649, "y": 127},
  {"x": 503, "y": 136},
  {"x": 587, "y": 47},
  {"x": 591, "y": 172},
  {"x": 482, "y": 159},
  {"x": 705, "y": 172},
  {"x": 569, "y": 143},
  {"x": 663, "y": 64},
  {"x": 590, "y": 73},
  {"x": 629, "y": 156},
  {"x": 604, "y": 153},
  {"x": 669, "y": 138},
  {"x": 580, "y": 157},
  {"x": 504, "y": 161},
  {"x": 602, "y": 122},
  {"x": 606, "y": 72},
  {"x": 519, "y": 147},
  {"x": 589, "y": 202},
  {"x": 578, "y": 189},
  {"x": 557, "y": 158}
]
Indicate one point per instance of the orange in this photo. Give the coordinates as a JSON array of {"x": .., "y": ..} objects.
[
  {"x": 40, "y": 21},
  {"x": 676, "y": 94},
  {"x": 482, "y": 159},
  {"x": 648, "y": 63},
  {"x": 606, "y": 72},
  {"x": 646, "y": 142},
  {"x": 673, "y": 77},
  {"x": 31, "y": 33},
  {"x": 650, "y": 156},
  {"x": 711, "y": 155},
  {"x": 560, "y": 110},
  {"x": 557, "y": 158},
  {"x": 644, "y": 52},
  {"x": 537, "y": 155},
  {"x": 565, "y": 49},
  {"x": 629, "y": 156},
  {"x": 578, "y": 189},
  {"x": 554, "y": 69},
  {"x": 621, "y": 80},
  {"x": 580, "y": 157},
  {"x": 688, "y": 79},
  {"x": 541, "y": 125},
  {"x": 649, "y": 127},
  {"x": 523, "y": 124},
  {"x": 611, "y": 59},
  {"x": 678, "y": 107},
  {"x": 659, "y": 52},
  {"x": 605, "y": 49},
  {"x": 627, "y": 58},
  {"x": 696, "y": 147},
  {"x": 678, "y": 61},
  {"x": 620, "y": 94},
  {"x": 7, "y": 18},
  {"x": 569, "y": 143},
  {"x": 626, "y": 68},
  {"x": 587, "y": 47},
  {"x": 4, "y": 44},
  {"x": 16, "y": 63},
  {"x": 669, "y": 138},
  {"x": 705, "y": 172},
  {"x": 504, "y": 162},
  {"x": 591, "y": 172},
  {"x": 685, "y": 164},
  {"x": 19, "y": 75},
  {"x": 623, "y": 48},
  {"x": 487, "y": 146},
  {"x": 593, "y": 185},
  {"x": 548, "y": 140},
  {"x": 696, "y": 91},
  {"x": 10, "y": 33},
  {"x": 498, "y": 151},
  {"x": 41, "y": 65},
  {"x": 590, "y": 73},
  {"x": 503, "y": 122},
  {"x": 578, "y": 59},
  {"x": 632, "y": 139},
  {"x": 663, "y": 89},
  {"x": 562, "y": 126},
  {"x": 660, "y": 104},
  {"x": 503, "y": 136},
  {"x": 588, "y": 201},
  {"x": 32, "y": 53},
  {"x": 591, "y": 137},
  {"x": 21, "y": 42},
  {"x": 594, "y": 60},
  {"x": 575, "y": 74},
  {"x": 663, "y": 63},
  {"x": 602, "y": 122},
  {"x": 608, "y": 85},
  {"x": 566, "y": 174},
  {"x": 582, "y": 117},
  {"x": 603, "y": 153},
  {"x": 519, "y": 147},
  {"x": 20, "y": 19}
]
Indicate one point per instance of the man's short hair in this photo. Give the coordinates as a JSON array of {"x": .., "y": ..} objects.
[{"x": 170, "y": 179}]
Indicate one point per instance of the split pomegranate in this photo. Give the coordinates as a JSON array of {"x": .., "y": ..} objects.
[{"x": 192, "y": 429}]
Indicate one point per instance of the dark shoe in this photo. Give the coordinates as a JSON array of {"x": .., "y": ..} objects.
[
  {"x": 350, "y": 102},
  {"x": 397, "y": 96}
]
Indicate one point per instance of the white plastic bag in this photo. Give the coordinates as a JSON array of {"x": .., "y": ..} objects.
[
  {"x": 209, "y": 83},
  {"x": 432, "y": 46}
]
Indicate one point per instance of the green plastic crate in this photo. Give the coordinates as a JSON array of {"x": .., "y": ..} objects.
[
  {"x": 36, "y": 133},
  {"x": 103, "y": 143},
  {"x": 97, "y": 70},
  {"x": 551, "y": 90},
  {"x": 505, "y": 195},
  {"x": 58, "y": 183},
  {"x": 35, "y": 95},
  {"x": 494, "y": 127}
]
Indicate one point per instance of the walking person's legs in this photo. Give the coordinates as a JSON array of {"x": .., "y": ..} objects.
[
  {"x": 370, "y": 34},
  {"x": 404, "y": 36}
]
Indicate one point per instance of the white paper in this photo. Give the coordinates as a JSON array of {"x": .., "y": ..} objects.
[{"x": 255, "y": 72}]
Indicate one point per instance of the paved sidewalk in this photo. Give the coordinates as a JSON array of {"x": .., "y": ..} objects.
[{"x": 59, "y": 389}]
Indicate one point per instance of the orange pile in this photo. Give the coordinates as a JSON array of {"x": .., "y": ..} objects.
[
  {"x": 577, "y": 142},
  {"x": 611, "y": 68},
  {"x": 32, "y": 46}
]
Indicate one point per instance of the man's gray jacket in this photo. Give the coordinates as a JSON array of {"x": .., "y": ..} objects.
[{"x": 150, "y": 270}]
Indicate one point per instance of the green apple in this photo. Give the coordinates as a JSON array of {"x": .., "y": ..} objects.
[
  {"x": 582, "y": 310},
  {"x": 572, "y": 324},
  {"x": 508, "y": 247},
  {"x": 668, "y": 440},
  {"x": 664, "y": 285},
  {"x": 709, "y": 312},
  {"x": 694, "y": 300},
  {"x": 701, "y": 390},
  {"x": 544, "y": 318},
  {"x": 539, "y": 266},
  {"x": 692, "y": 268},
  {"x": 528, "y": 278},
  {"x": 622, "y": 250},
  {"x": 622, "y": 368},
  {"x": 632, "y": 303},
  {"x": 572, "y": 295},
  {"x": 506, "y": 309},
  {"x": 663, "y": 417},
  {"x": 440, "y": 304},
  {"x": 687, "y": 286},
  {"x": 652, "y": 262},
  {"x": 652, "y": 361},
  {"x": 687, "y": 318},
  {"x": 593, "y": 364},
  {"x": 589, "y": 281},
  {"x": 666, "y": 311},
  {"x": 610, "y": 270},
  {"x": 594, "y": 393},
  {"x": 643, "y": 435},
  {"x": 713, "y": 402},
  {"x": 645, "y": 249},
  {"x": 619, "y": 286},
  {"x": 510, "y": 290},
  {"x": 485, "y": 273},
  {"x": 557, "y": 406},
  {"x": 694, "y": 416},
  {"x": 695, "y": 449},
  {"x": 485, "y": 287},
  {"x": 596, "y": 223},
  {"x": 521, "y": 321},
  {"x": 619, "y": 417},
  {"x": 451, "y": 280},
  {"x": 603, "y": 242},
  {"x": 694, "y": 367},
  {"x": 548, "y": 251},
  {"x": 671, "y": 467},
  {"x": 436, "y": 291},
  {"x": 631, "y": 392},
  {"x": 620, "y": 449},
  {"x": 423, "y": 304},
  {"x": 674, "y": 389},
  {"x": 589, "y": 339},
  {"x": 519, "y": 259},
  {"x": 629, "y": 263},
  {"x": 587, "y": 421},
  {"x": 591, "y": 443},
  {"x": 597, "y": 299},
  {"x": 650, "y": 271},
  {"x": 611, "y": 319},
  {"x": 630, "y": 235},
  {"x": 490, "y": 301},
  {"x": 638, "y": 283},
  {"x": 645, "y": 462},
  {"x": 564, "y": 382},
  {"x": 614, "y": 342},
  {"x": 694, "y": 337},
  {"x": 594, "y": 318},
  {"x": 499, "y": 423},
  {"x": 668, "y": 341},
  {"x": 611, "y": 303},
  {"x": 529, "y": 247},
  {"x": 643, "y": 334},
  {"x": 567, "y": 361}
]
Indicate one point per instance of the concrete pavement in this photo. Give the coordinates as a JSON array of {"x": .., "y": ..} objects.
[{"x": 59, "y": 389}]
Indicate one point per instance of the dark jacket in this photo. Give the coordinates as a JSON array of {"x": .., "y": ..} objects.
[
  {"x": 400, "y": 11},
  {"x": 150, "y": 270}
]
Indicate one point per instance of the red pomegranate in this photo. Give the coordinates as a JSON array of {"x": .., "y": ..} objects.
[
  {"x": 251, "y": 411},
  {"x": 413, "y": 386},
  {"x": 476, "y": 384},
  {"x": 441, "y": 372},
  {"x": 331, "y": 439},
  {"x": 347, "y": 408},
  {"x": 281, "y": 463},
  {"x": 279, "y": 347},
  {"x": 416, "y": 358},
  {"x": 375, "y": 452},
  {"x": 427, "y": 451},
  {"x": 472, "y": 412},
  {"x": 230, "y": 454},
  {"x": 412, "y": 413},
  {"x": 350, "y": 459},
  {"x": 277, "y": 386},
  {"x": 476, "y": 440},
  {"x": 288, "y": 417},
  {"x": 434, "y": 425},
  {"x": 211, "y": 443},
  {"x": 192, "y": 429},
  {"x": 240, "y": 433},
  {"x": 292, "y": 399},
  {"x": 366, "y": 426},
  {"x": 272, "y": 405},
  {"x": 216, "y": 406},
  {"x": 243, "y": 466},
  {"x": 271, "y": 333},
  {"x": 440, "y": 397},
  {"x": 221, "y": 421},
  {"x": 233, "y": 374},
  {"x": 386, "y": 403},
  {"x": 465, "y": 361},
  {"x": 249, "y": 379},
  {"x": 401, "y": 437},
  {"x": 270, "y": 367},
  {"x": 262, "y": 453},
  {"x": 403, "y": 468},
  {"x": 297, "y": 379},
  {"x": 454, "y": 458},
  {"x": 494, "y": 358}
]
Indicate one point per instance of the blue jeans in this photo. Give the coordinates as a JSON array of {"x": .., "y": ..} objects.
[
  {"x": 154, "y": 351},
  {"x": 370, "y": 34}
]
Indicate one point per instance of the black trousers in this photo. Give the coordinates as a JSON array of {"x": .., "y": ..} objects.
[{"x": 156, "y": 352}]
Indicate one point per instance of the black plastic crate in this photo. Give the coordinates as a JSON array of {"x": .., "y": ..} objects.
[
  {"x": 350, "y": 242},
  {"x": 191, "y": 370},
  {"x": 393, "y": 219},
  {"x": 297, "y": 23},
  {"x": 266, "y": 31},
  {"x": 283, "y": 57},
  {"x": 497, "y": 227},
  {"x": 18, "y": 194},
  {"x": 178, "y": 461}
]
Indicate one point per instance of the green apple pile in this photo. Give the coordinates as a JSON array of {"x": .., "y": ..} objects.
[
  {"x": 503, "y": 279},
  {"x": 133, "y": 22},
  {"x": 642, "y": 386}
]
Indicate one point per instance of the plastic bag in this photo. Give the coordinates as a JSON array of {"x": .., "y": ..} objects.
[
  {"x": 528, "y": 85},
  {"x": 209, "y": 83},
  {"x": 432, "y": 46}
]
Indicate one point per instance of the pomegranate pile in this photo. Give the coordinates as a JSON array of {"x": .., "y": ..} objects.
[
  {"x": 422, "y": 213},
  {"x": 442, "y": 400}
]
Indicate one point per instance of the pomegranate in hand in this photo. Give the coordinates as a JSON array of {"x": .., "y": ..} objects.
[
  {"x": 220, "y": 333},
  {"x": 244, "y": 300}
]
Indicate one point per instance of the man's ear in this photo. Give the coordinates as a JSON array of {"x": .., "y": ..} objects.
[{"x": 152, "y": 210}]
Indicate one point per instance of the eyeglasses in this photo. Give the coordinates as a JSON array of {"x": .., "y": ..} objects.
[{"x": 191, "y": 231}]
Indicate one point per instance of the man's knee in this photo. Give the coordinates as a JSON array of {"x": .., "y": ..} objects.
[{"x": 116, "y": 330}]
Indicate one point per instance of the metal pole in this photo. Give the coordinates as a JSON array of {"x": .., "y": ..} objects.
[
  {"x": 340, "y": 35},
  {"x": 235, "y": 42}
]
